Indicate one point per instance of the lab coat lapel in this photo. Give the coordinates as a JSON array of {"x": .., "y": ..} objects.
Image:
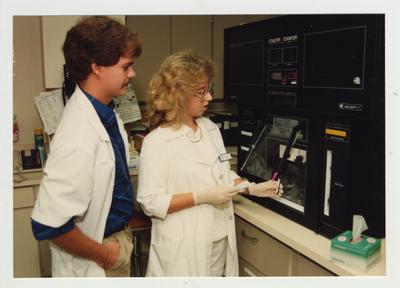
[
  {"x": 92, "y": 117},
  {"x": 213, "y": 134},
  {"x": 186, "y": 150}
]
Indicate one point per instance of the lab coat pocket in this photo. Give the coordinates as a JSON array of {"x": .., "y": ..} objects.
[
  {"x": 61, "y": 262},
  {"x": 79, "y": 267},
  {"x": 168, "y": 260},
  {"x": 66, "y": 265}
]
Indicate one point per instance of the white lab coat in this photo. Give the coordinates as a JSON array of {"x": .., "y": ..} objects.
[
  {"x": 181, "y": 242},
  {"x": 78, "y": 181}
]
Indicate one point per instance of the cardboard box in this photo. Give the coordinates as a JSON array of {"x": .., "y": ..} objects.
[{"x": 360, "y": 255}]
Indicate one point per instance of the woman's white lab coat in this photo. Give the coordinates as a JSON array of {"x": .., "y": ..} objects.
[
  {"x": 78, "y": 181},
  {"x": 181, "y": 242}
]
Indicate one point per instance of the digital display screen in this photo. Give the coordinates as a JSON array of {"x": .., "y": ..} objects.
[
  {"x": 274, "y": 56},
  {"x": 335, "y": 58},
  {"x": 283, "y": 77},
  {"x": 276, "y": 75},
  {"x": 290, "y": 54}
]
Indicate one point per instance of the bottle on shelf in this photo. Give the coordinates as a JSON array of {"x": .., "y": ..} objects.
[
  {"x": 15, "y": 129},
  {"x": 39, "y": 144}
]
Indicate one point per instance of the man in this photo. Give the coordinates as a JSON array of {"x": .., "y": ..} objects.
[{"x": 85, "y": 199}]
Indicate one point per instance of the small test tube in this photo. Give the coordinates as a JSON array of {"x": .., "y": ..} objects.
[{"x": 277, "y": 188}]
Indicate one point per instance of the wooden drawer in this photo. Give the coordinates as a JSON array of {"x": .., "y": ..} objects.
[
  {"x": 269, "y": 256},
  {"x": 248, "y": 270},
  {"x": 24, "y": 197},
  {"x": 302, "y": 266}
]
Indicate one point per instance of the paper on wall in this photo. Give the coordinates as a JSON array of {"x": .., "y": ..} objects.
[
  {"x": 50, "y": 106},
  {"x": 127, "y": 106}
]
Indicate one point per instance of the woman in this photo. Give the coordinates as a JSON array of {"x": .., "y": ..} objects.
[{"x": 185, "y": 182}]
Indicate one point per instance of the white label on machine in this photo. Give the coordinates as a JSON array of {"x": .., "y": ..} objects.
[
  {"x": 244, "y": 148},
  {"x": 328, "y": 174},
  {"x": 246, "y": 133},
  {"x": 227, "y": 125}
]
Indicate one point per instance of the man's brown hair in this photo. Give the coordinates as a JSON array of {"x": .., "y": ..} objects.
[{"x": 100, "y": 40}]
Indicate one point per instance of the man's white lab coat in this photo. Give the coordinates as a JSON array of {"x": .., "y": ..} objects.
[
  {"x": 78, "y": 181},
  {"x": 181, "y": 242}
]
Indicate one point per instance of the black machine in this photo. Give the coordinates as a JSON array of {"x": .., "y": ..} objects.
[{"x": 314, "y": 83}]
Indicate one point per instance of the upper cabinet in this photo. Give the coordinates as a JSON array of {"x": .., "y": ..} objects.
[{"x": 54, "y": 29}]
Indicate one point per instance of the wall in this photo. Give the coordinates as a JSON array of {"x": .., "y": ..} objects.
[
  {"x": 161, "y": 36},
  {"x": 54, "y": 30},
  {"x": 155, "y": 34},
  {"x": 28, "y": 69}
]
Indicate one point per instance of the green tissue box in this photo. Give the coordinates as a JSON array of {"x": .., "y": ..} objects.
[{"x": 361, "y": 255}]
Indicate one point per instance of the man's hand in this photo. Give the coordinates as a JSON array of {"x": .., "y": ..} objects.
[{"x": 111, "y": 256}]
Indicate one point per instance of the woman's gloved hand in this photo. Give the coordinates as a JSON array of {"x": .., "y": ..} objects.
[
  {"x": 215, "y": 195},
  {"x": 266, "y": 189}
]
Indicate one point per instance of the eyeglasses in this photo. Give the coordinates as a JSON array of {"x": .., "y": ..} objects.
[{"x": 202, "y": 93}]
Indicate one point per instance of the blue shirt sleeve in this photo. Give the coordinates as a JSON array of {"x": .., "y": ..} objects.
[{"x": 42, "y": 232}]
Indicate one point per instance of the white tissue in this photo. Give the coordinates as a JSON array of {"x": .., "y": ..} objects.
[{"x": 359, "y": 225}]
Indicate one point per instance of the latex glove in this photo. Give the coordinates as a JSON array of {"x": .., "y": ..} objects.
[
  {"x": 266, "y": 189},
  {"x": 215, "y": 195}
]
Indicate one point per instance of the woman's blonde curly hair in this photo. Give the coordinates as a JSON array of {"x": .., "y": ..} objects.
[{"x": 178, "y": 76}]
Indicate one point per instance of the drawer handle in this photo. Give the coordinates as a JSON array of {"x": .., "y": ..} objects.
[{"x": 247, "y": 237}]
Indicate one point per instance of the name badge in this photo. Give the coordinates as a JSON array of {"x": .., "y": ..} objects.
[{"x": 224, "y": 157}]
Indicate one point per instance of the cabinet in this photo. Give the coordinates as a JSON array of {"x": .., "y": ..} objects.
[
  {"x": 31, "y": 257},
  {"x": 266, "y": 254},
  {"x": 262, "y": 255},
  {"x": 248, "y": 270},
  {"x": 26, "y": 248},
  {"x": 302, "y": 266},
  {"x": 54, "y": 29}
]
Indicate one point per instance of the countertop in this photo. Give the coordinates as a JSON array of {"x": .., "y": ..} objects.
[
  {"x": 300, "y": 238},
  {"x": 296, "y": 236},
  {"x": 34, "y": 177},
  {"x": 27, "y": 178}
]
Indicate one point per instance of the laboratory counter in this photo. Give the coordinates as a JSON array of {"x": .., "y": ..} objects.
[
  {"x": 299, "y": 238},
  {"x": 292, "y": 235}
]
